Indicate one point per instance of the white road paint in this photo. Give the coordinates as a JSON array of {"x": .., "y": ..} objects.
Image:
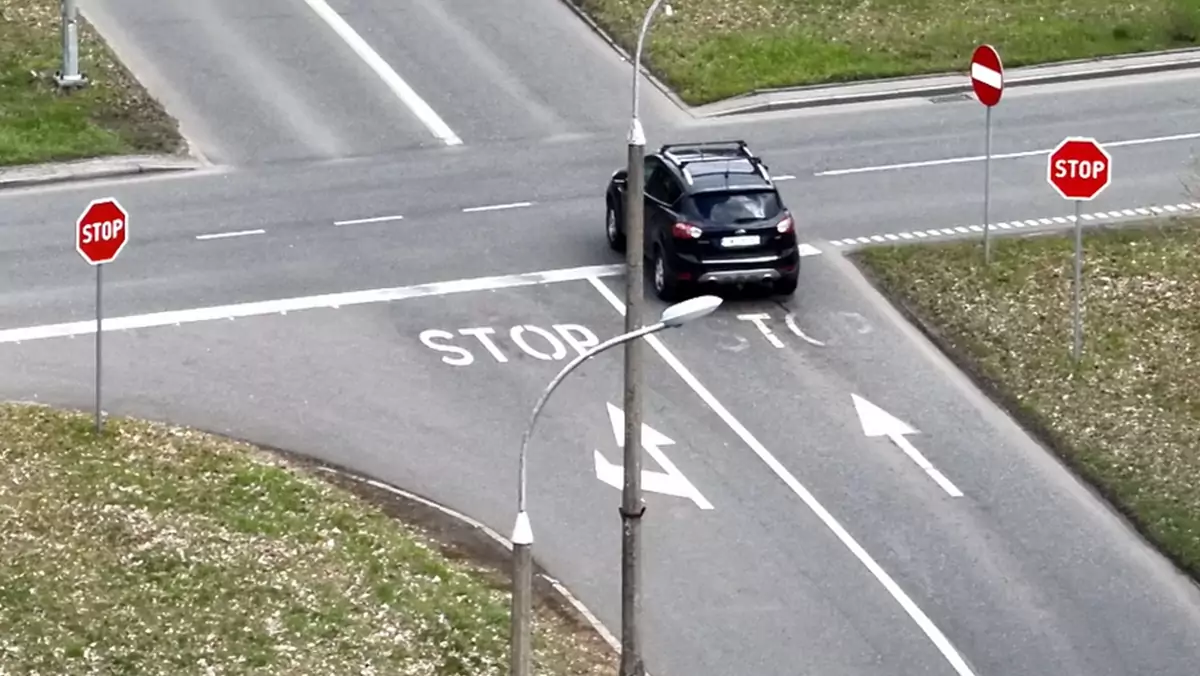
[
  {"x": 668, "y": 482},
  {"x": 498, "y": 207},
  {"x": 375, "y": 219},
  {"x": 805, "y": 249},
  {"x": 390, "y": 77},
  {"x": 922, "y": 620},
  {"x": 877, "y": 422},
  {"x": 1029, "y": 223},
  {"x": 332, "y": 300},
  {"x": 534, "y": 341},
  {"x": 224, "y": 235},
  {"x": 790, "y": 320},
  {"x": 759, "y": 320},
  {"x": 783, "y": 177},
  {"x": 1001, "y": 156}
]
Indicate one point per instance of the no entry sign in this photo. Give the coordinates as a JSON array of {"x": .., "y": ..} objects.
[
  {"x": 101, "y": 231},
  {"x": 987, "y": 75},
  {"x": 1079, "y": 168}
]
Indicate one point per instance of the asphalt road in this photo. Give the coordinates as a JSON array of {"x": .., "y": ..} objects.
[{"x": 825, "y": 551}]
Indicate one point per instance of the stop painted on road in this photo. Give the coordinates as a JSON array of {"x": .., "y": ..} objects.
[{"x": 554, "y": 344}]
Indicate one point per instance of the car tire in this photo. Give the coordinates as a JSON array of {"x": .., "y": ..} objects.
[
  {"x": 612, "y": 228},
  {"x": 666, "y": 287},
  {"x": 786, "y": 285}
]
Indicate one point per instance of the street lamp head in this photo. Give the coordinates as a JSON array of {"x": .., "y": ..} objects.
[{"x": 693, "y": 308}]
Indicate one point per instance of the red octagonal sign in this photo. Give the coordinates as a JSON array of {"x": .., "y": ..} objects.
[
  {"x": 1079, "y": 168},
  {"x": 101, "y": 231}
]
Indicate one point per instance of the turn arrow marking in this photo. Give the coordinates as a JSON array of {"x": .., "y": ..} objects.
[
  {"x": 668, "y": 482},
  {"x": 877, "y": 422}
]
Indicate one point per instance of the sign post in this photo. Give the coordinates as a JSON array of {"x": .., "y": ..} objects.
[
  {"x": 1079, "y": 169},
  {"x": 100, "y": 234},
  {"x": 987, "y": 79}
]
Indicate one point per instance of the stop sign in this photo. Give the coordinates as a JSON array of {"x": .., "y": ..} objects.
[
  {"x": 101, "y": 231},
  {"x": 1079, "y": 169}
]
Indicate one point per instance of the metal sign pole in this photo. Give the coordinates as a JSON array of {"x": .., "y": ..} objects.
[
  {"x": 1078, "y": 291},
  {"x": 987, "y": 185},
  {"x": 99, "y": 333}
]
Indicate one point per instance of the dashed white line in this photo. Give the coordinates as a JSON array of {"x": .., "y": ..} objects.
[
  {"x": 783, "y": 177},
  {"x": 1101, "y": 215},
  {"x": 498, "y": 207},
  {"x": 390, "y": 77},
  {"x": 1001, "y": 156},
  {"x": 223, "y": 235},
  {"x": 376, "y": 219},
  {"x": 931, "y": 630}
]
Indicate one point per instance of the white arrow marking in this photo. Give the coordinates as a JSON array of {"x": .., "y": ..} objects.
[
  {"x": 877, "y": 422},
  {"x": 670, "y": 482}
]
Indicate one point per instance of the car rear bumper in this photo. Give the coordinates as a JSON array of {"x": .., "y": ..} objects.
[{"x": 751, "y": 270}]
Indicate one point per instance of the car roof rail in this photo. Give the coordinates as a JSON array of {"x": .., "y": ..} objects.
[{"x": 706, "y": 149}]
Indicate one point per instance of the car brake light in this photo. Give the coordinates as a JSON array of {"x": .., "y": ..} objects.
[
  {"x": 786, "y": 225},
  {"x": 686, "y": 231}
]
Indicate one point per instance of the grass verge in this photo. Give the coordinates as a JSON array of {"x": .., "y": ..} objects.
[
  {"x": 1127, "y": 417},
  {"x": 714, "y": 49},
  {"x": 114, "y": 115},
  {"x": 160, "y": 550}
]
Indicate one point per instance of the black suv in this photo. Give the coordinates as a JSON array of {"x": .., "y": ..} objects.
[{"x": 712, "y": 215}]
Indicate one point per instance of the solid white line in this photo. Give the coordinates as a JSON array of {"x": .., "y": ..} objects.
[
  {"x": 389, "y": 76},
  {"x": 332, "y": 300},
  {"x": 223, "y": 235},
  {"x": 935, "y": 635},
  {"x": 1001, "y": 156},
  {"x": 377, "y": 219},
  {"x": 497, "y": 207},
  {"x": 987, "y": 76}
]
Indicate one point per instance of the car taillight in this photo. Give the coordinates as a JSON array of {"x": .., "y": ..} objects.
[
  {"x": 686, "y": 231},
  {"x": 786, "y": 225}
]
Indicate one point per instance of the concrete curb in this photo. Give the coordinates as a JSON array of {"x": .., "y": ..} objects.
[
  {"x": 94, "y": 168},
  {"x": 943, "y": 84},
  {"x": 948, "y": 84}
]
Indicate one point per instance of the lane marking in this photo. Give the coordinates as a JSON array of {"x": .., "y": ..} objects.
[
  {"x": 935, "y": 635},
  {"x": 376, "y": 219},
  {"x": 784, "y": 177},
  {"x": 1032, "y": 222},
  {"x": 498, "y": 207},
  {"x": 385, "y": 72},
  {"x": 332, "y": 300},
  {"x": 1001, "y": 156},
  {"x": 223, "y": 235}
]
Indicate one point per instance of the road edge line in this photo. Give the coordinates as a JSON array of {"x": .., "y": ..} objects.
[
  {"x": 935, "y": 635},
  {"x": 416, "y": 105}
]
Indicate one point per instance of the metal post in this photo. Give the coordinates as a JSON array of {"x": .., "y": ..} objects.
[
  {"x": 99, "y": 333},
  {"x": 632, "y": 507},
  {"x": 69, "y": 76},
  {"x": 522, "y": 538},
  {"x": 1078, "y": 291},
  {"x": 987, "y": 186}
]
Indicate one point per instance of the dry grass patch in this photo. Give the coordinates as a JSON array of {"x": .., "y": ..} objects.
[
  {"x": 1128, "y": 416},
  {"x": 713, "y": 49},
  {"x": 38, "y": 123},
  {"x": 160, "y": 550}
]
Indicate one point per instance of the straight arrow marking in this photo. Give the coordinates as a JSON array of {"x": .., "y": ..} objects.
[{"x": 877, "y": 422}]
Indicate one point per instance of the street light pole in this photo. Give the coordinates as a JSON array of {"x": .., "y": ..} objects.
[
  {"x": 631, "y": 493},
  {"x": 522, "y": 538},
  {"x": 69, "y": 76}
]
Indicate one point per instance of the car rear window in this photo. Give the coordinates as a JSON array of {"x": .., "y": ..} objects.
[{"x": 728, "y": 208}]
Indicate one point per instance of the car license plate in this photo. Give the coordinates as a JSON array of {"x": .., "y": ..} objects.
[{"x": 744, "y": 240}]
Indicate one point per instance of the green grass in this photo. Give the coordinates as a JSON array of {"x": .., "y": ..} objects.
[
  {"x": 159, "y": 550},
  {"x": 38, "y": 123},
  {"x": 713, "y": 49},
  {"x": 1127, "y": 417}
]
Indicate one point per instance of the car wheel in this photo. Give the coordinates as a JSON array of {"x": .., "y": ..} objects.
[
  {"x": 666, "y": 287},
  {"x": 786, "y": 286},
  {"x": 616, "y": 240}
]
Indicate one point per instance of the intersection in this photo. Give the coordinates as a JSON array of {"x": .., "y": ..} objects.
[{"x": 836, "y": 497}]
